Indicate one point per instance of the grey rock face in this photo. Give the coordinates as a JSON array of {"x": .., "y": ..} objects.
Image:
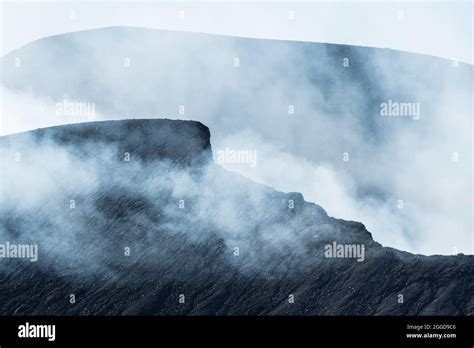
[
  {"x": 181, "y": 142},
  {"x": 168, "y": 232}
]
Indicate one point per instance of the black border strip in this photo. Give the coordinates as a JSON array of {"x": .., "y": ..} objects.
[{"x": 240, "y": 330}]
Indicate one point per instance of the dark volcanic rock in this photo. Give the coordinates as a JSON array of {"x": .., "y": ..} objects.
[
  {"x": 183, "y": 142},
  {"x": 181, "y": 218}
]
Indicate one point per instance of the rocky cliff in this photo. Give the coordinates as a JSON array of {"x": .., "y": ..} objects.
[{"x": 133, "y": 217}]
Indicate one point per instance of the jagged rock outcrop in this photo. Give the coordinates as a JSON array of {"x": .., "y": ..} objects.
[{"x": 169, "y": 232}]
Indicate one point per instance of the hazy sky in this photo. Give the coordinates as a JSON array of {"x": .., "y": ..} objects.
[{"x": 441, "y": 28}]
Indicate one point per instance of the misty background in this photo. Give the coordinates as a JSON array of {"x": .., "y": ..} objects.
[{"x": 143, "y": 73}]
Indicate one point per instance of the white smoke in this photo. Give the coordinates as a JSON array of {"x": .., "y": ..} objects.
[{"x": 390, "y": 159}]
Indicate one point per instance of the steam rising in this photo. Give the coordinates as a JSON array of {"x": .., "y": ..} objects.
[
  {"x": 246, "y": 107},
  {"x": 84, "y": 207}
]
